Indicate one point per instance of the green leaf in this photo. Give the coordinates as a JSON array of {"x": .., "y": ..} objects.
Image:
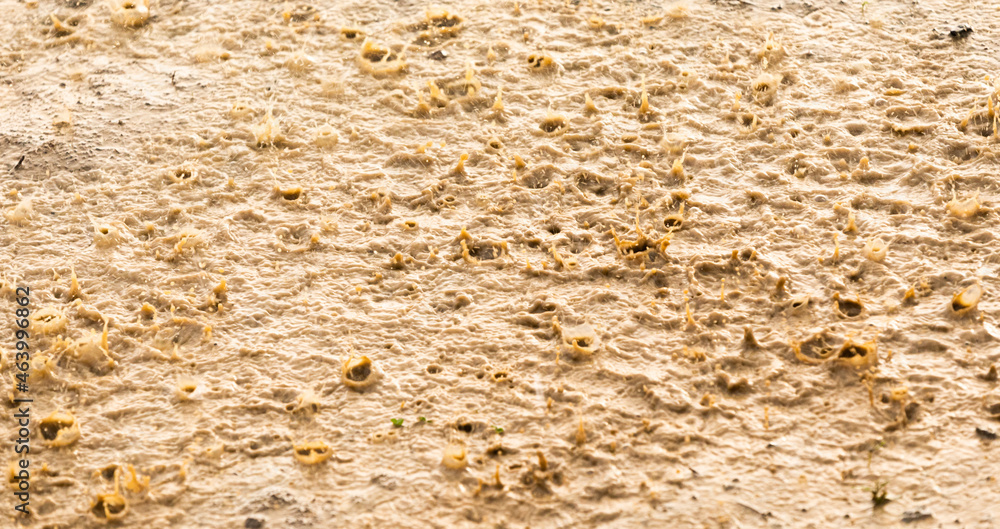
[
  {"x": 498, "y": 429},
  {"x": 398, "y": 423}
]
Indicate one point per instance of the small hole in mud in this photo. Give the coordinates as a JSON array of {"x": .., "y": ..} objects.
[
  {"x": 183, "y": 174},
  {"x": 816, "y": 348},
  {"x": 485, "y": 252},
  {"x": 360, "y": 372},
  {"x": 539, "y": 62},
  {"x": 115, "y": 508},
  {"x": 849, "y": 308},
  {"x": 446, "y": 21},
  {"x": 50, "y": 430},
  {"x": 108, "y": 472},
  {"x": 553, "y": 124},
  {"x": 852, "y": 351},
  {"x": 108, "y": 505},
  {"x": 434, "y": 369},
  {"x": 553, "y": 229},
  {"x": 480, "y": 375},
  {"x": 291, "y": 194},
  {"x": 103, "y": 230},
  {"x": 377, "y": 55},
  {"x": 464, "y": 427},
  {"x": 673, "y": 221}
]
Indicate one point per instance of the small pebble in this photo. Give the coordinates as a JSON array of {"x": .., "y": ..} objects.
[
  {"x": 960, "y": 32},
  {"x": 989, "y": 435}
]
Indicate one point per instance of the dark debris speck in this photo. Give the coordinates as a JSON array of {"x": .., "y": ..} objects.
[
  {"x": 960, "y": 32},
  {"x": 983, "y": 433},
  {"x": 915, "y": 516}
]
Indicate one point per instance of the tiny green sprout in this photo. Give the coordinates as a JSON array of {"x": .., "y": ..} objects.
[
  {"x": 424, "y": 419},
  {"x": 398, "y": 423},
  {"x": 498, "y": 429},
  {"x": 879, "y": 493}
]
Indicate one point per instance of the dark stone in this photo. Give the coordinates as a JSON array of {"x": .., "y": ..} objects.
[
  {"x": 960, "y": 32},
  {"x": 438, "y": 55},
  {"x": 253, "y": 523},
  {"x": 989, "y": 435}
]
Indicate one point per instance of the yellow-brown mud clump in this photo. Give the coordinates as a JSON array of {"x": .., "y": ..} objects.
[
  {"x": 129, "y": 13},
  {"x": 312, "y": 453},
  {"x": 454, "y": 456},
  {"x": 113, "y": 506},
  {"x": 59, "y": 429},
  {"x": 438, "y": 25},
  {"x": 359, "y": 373},
  {"x": 380, "y": 61},
  {"x": 857, "y": 355},
  {"x": 966, "y": 300}
]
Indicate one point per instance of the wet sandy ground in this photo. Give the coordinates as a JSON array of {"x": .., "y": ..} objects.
[{"x": 638, "y": 264}]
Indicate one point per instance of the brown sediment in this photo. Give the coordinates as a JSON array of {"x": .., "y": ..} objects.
[{"x": 680, "y": 229}]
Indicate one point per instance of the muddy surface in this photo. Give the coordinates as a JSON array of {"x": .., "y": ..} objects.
[{"x": 548, "y": 264}]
